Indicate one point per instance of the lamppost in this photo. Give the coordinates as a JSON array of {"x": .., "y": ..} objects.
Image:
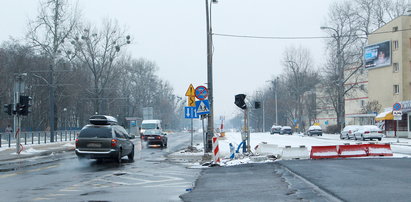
[{"x": 210, "y": 127}]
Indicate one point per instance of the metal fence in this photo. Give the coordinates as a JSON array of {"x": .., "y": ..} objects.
[{"x": 37, "y": 137}]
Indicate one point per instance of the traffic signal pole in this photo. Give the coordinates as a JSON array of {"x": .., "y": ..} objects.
[{"x": 18, "y": 89}]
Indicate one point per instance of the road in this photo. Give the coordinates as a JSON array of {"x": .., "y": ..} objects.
[{"x": 151, "y": 177}]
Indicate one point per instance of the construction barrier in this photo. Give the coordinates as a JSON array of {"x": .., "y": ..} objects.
[
  {"x": 322, "y": 152},
  {"x": 359, "y": 150},
  {"x": 216, "y": 151},
  {"x": 295, "y": 153},
  {"x": 268, "y": 149},
  {"x": 379, "y": 150}
]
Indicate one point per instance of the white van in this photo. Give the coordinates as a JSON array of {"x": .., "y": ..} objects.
[{"x": 150, "y": 125}]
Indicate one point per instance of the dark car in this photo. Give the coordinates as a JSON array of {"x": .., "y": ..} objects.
[
  {"x": 314, "y": 130},
  {"x": 156, "y": 137},
  {"x": 104, "y": 139},
  {"x": 286, "y": 130}
]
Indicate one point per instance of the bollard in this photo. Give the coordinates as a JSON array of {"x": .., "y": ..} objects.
[
  {"x": 45, "y": 137},
  {"x": 25, "y": 138},
  {"x": 0, "y": 139},
  {"x": 61, "y": 136},
  {"x": 38, "y": 139},
  {"x": 70, "y": 135},
  {"x": 9, "y": 139},
  {"x": 32, "y": 138},
  {"x": 65, "y": 139}
]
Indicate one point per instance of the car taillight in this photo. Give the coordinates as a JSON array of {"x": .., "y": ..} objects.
[
  {"x": 113, "y": 143},
  {"x": 379, "y": 131},
  {"x": 77, "y": 144},
  {"x": 349, "y": 131},
  {"x": 366, "y": 132},
  {"x": 158, "y": 137}
]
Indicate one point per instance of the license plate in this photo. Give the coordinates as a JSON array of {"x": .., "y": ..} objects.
[
  {"x": 93, "y": 145},
  {"x": 150, "y": 138}
]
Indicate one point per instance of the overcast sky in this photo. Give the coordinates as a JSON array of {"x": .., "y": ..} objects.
[{"x": 172, "y": 33}]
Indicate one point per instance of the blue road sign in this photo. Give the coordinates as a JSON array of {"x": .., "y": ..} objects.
[
  {"x": 396, "y": 106},
  {"x": 190, "y": 113},
  {"x": 201, "y": 92},
  {"x": 202, "y": 107}
]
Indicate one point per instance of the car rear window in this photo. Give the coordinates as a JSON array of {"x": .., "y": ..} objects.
[{"x": 96, "y": 132}]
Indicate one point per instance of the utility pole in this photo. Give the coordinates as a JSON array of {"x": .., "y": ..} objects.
[
  {"x": 51, "y": 107},
  {"x": 210, "y": 127}
]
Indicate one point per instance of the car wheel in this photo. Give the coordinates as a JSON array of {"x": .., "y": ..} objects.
[
  {"x": 165, "y": 145},
  {"x": 379, "y": 139},
  {"x": 118, "y": 158},
  {"x": 362, "y": 138},
  {"x": 341, "y": 137},
  {"x": 131, "y": 155}
]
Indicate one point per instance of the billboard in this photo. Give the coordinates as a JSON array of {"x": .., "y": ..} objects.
[{"x": 377, "y": 55}]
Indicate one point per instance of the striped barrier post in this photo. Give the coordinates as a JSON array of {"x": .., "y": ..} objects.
[{"x": 216, "y": 151}]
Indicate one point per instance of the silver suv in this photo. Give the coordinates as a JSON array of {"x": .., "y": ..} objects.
[{"x": 104, "y": 139}]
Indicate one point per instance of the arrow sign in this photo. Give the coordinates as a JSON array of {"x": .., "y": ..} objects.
[
  {"x": 190, "y": 113},
  {"x": 202, "y": 107},
  {"x": 190, "y": 91}
]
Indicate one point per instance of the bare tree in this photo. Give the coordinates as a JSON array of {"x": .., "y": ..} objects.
[
  {"x": 300, "y": 77},
  {"x": 98, "y": 51},
  {"x": 49, "y": 33}
]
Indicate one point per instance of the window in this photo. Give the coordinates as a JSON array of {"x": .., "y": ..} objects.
[
  {"x": 395, "y": 67},
  {"x": 394, "y": 29},
  {"x": 362, "y": 88},
  {"x": 396, "y": 89},
  {"x": 362, "y": 103},
  {"x": 395, "y": 45}
]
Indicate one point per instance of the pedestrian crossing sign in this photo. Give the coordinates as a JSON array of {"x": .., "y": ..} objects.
[{"x": 202, "y": 107}]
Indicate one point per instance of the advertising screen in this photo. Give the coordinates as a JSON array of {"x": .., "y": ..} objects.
[{"x": 377, "y": 55}]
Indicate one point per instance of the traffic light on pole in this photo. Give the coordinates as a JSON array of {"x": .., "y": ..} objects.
[
  {"x": 240, "y": 101},
  {"x": 23, "y": 108},
  {"x": 8, "y": 108}
]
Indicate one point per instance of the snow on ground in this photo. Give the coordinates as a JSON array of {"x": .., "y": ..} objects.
[{"x": 400, "y": 150}]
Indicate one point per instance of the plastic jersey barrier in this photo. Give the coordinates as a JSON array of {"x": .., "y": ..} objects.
[
  {"x": 323, "y": 152},
  {"x": 379, "y": 150},
  {"x": 359, "y": 150}
]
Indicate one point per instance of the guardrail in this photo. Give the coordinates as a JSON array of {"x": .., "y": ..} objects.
[{"x": 37, "y": 137}]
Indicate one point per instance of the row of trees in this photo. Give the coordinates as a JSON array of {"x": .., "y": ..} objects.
[
  {"x": 78, "y": 69},
  {"x": 348, "y": 24}
]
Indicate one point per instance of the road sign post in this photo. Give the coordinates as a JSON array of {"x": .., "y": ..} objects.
[
  {"x": 190, "y": 111},
  {"x": 397, "y": 117}
]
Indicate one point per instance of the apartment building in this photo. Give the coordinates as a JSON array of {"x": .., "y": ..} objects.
[{"x": 388, "y": 62}]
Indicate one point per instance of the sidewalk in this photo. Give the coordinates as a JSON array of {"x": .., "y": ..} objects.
[{"x": 31, "y": 154}]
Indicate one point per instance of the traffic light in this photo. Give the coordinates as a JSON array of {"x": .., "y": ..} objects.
[
  {"x": 257, "y": 105},
  {"x": 23, "y": 108},
  {"x": 8, "y": 108},
  {"x": 240, "y": 101}
]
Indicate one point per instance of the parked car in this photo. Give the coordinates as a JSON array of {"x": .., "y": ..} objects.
[
  {"x": 348, "y": 132},
  {"x": 368, "y": 132},
  {"x": 314, "y": 130},
  {"x": 286, "y": 130},
  {"x": 104, "y": 139},
  {"x": 275, "y": 129},
  {"x": 156, "y": 137}
]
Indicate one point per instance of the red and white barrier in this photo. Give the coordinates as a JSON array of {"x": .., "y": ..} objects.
[
  {"x": 359, "y": 150},
  {"x": 379, "y": 150},
  {"x": 344, "y": 151},
  {"x": 216, "y": 151},
  {"x": 323, "y": 152}
]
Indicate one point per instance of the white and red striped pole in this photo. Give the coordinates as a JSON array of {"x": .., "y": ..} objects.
[{"x": 216, "y": 151}]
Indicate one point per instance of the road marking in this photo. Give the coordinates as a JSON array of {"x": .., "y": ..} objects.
[{"x": 27, "y": 171}]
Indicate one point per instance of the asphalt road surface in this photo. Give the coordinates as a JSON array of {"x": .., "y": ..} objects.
[{"x": 149, "y": 178}]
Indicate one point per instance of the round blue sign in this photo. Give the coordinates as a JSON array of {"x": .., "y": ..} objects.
[
  {"x": 397, "y": 106},
  {"x": 201, "y": 92}
]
